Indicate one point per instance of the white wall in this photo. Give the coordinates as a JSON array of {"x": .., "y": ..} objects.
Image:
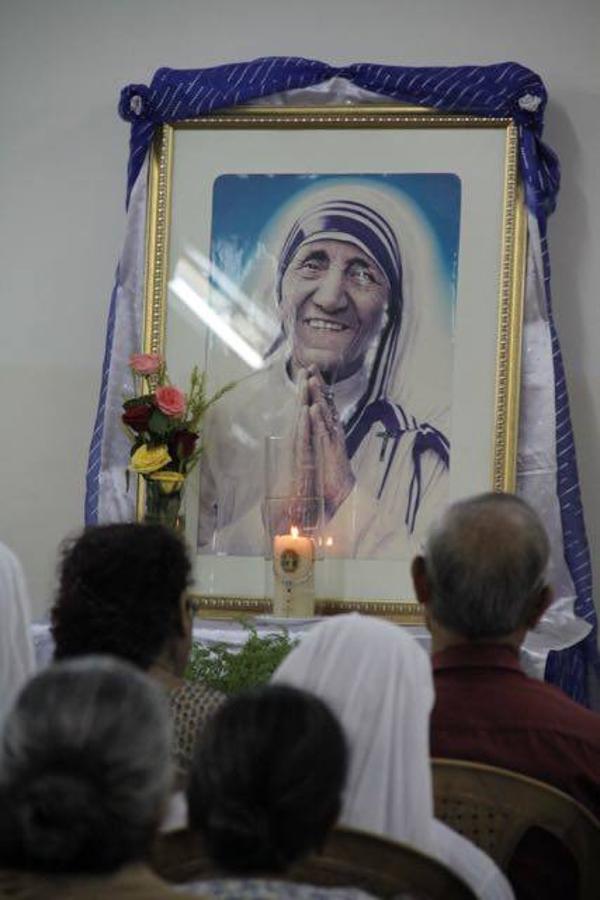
[{"x": 63, "y": 153}]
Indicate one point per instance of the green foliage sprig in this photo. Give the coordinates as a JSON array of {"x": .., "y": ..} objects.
[
  {"x": 198, "y": 403},
  {"x": 230, "y": 670}
]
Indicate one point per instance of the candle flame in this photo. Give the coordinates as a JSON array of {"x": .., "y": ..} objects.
[{"x": 294, "y": 531}]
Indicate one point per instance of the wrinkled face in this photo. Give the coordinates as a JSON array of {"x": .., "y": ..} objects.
[{"x": 333, "y": 297}]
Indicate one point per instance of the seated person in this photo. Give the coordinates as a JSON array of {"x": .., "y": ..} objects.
[
  {"x": 483, "y": 584},
  {"x": 377, "y": 680},
  {"x": 122, "y": 591},
  {"x": 265, "y": 790},
  {"x": 16, "y": 649},
  {"x": 85, "y": 772}
]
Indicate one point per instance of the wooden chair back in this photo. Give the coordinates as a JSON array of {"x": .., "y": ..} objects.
[
  {"x": 495, "y": 808},
  {"x": 349, "y": 859}
]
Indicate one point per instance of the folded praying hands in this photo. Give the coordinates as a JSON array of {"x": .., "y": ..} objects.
[{"x": 322, "y": 462}]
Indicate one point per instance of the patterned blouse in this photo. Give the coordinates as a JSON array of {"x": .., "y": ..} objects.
[
  {"x": 191, "y": 705},
  {"x": 262, "y": 889}
]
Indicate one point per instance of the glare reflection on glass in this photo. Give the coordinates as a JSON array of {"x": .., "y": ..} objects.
[{"x": 224, "y": 308}]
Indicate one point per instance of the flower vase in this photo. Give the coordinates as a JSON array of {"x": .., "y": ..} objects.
[{"x": 165, "y": 501}]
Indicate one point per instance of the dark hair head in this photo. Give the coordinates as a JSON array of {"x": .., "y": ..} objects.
[
  {"x": 85, "y": 768},
  {"x": 267, "y": 779},
  {"x": 119, "y": 592},
  {"x": 486, "y": 562}
]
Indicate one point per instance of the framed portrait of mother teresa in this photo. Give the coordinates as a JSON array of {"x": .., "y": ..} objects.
[{"x": 358, "y": 274}]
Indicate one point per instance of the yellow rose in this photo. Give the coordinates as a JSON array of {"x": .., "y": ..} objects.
[
  {"x": 149, "y": 459},
  {"x": 169, "y": 482}
]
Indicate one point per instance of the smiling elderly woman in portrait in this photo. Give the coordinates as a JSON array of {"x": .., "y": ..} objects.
[{"x": 353, "y": 265}]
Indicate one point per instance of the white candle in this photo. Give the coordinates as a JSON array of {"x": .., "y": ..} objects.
[
  {"x": 293, "y": 566},
  {"x": 295, "y": 549}
]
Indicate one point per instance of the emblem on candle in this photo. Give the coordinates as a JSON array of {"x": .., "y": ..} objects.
[
  {"x": 293, "y": 567},
  {"x": 289, "y": 561}
]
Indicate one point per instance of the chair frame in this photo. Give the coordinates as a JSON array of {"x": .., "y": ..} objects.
[
  {"x": 494, "y": 808},
  {"x": 350, "y": 858}
]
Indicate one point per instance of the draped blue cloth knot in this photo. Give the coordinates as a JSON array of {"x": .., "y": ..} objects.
[{"x": 134, "y": 102}]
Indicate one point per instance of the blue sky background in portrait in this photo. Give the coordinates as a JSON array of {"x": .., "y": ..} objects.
[{"x": 244, "y": 205}]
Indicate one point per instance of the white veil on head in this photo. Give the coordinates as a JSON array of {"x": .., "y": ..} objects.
[
  {"x": 377, "y": 680},
  {"x": 420, "y": 361},
  {"x": 17, "y": 662}
]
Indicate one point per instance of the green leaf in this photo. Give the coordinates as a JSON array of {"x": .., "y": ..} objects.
[
  {"x": 159, "y": 423},
  {"x": 230, "y": 670}
]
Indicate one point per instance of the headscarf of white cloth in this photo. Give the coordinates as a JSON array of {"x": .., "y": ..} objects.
[
  {"x": 377, "y": 680},
  {"x": 16, "y": 649}
]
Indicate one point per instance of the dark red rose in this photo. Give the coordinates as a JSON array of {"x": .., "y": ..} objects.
[
  {"x": 182, "y": 443},
  {"x": 137, "y": 417}
]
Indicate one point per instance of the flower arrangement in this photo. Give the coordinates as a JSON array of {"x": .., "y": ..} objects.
[{"x": 163, "y": 424}]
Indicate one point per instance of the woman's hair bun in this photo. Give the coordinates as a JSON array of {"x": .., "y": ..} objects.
[
  {"x": 245, "y": 830},
  {"x": 57, "y": 816}
]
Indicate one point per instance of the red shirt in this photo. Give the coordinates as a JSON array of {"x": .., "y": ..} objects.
[{"x": 487, "y": 710}]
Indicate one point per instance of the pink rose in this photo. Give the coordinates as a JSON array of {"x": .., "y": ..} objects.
[
  {"x": 145, "y": 363},
  {"x": 170, "y": 400}
]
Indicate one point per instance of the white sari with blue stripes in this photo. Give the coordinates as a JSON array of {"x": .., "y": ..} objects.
[{"x": 400, "y": 466}]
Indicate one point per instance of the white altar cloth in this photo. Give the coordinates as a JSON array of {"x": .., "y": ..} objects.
[{"x": 214, "y": 631}]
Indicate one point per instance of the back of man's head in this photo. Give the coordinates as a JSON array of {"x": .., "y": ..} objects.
[{"x": 485, "y": 564}]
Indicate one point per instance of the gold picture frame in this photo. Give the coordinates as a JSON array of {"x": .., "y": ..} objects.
[{"x": 192, "y": 153}]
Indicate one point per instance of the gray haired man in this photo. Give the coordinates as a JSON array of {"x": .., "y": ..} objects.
[{"x": 482, "y": 583}]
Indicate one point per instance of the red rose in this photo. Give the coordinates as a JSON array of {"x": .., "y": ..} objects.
[
  {"x": 183, "y": 443},
  {"x": 137, "y": 417}
]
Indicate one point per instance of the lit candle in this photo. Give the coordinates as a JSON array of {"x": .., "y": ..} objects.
[
  {"x": 293, "y": 566},
  {"x": 295, "y": 550}
]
